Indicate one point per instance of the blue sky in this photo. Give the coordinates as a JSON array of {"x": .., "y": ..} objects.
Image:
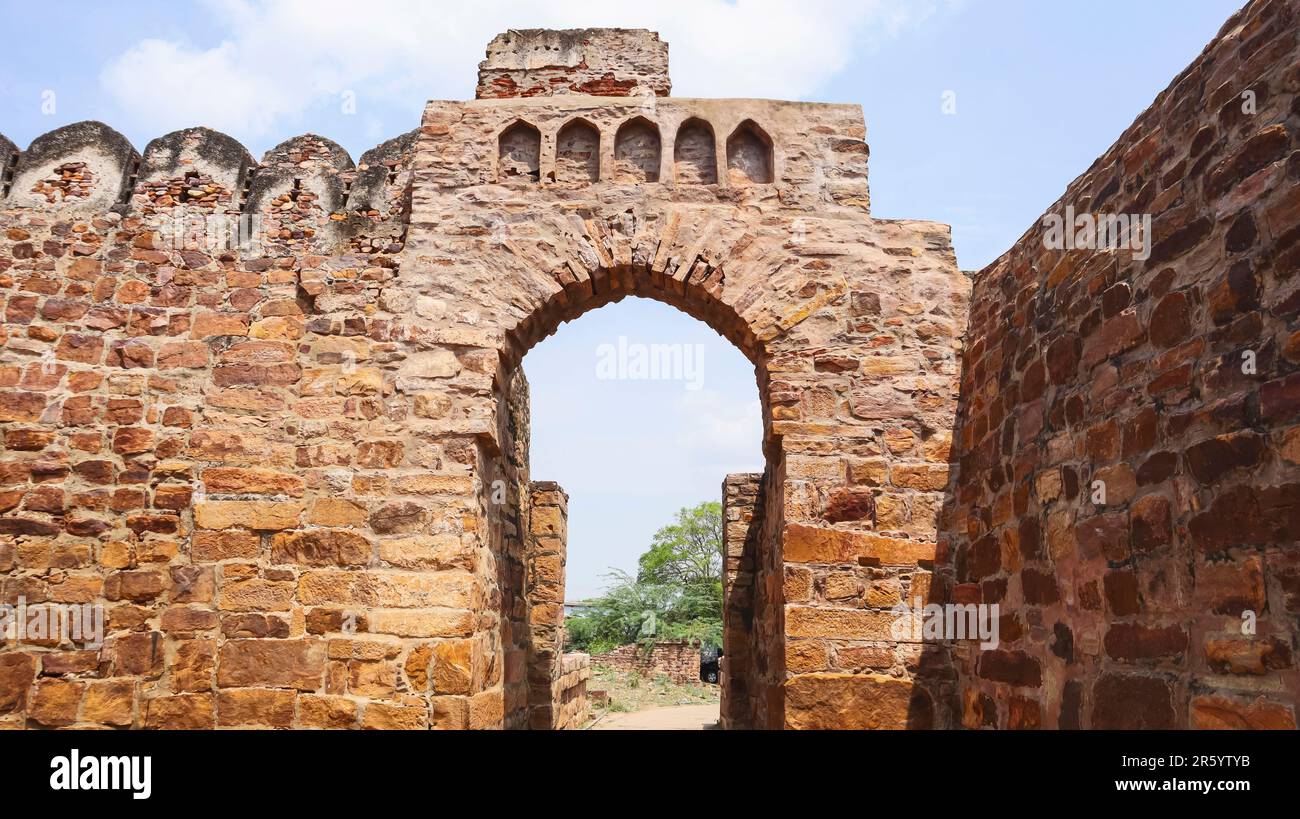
[{"x": 1041, "y": 89}]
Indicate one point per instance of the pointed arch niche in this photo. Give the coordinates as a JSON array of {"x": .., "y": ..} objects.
[
  {"x": 577, "y": 152},
  {"x": 695, "y": 157},
  {"x": 749, "y": 155},
  {"x": 519, "y": 153},
  {"x": 637, "y": 152}
]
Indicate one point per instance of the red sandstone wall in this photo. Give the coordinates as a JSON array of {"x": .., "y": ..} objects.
[{"x": 1087, "y": 366}]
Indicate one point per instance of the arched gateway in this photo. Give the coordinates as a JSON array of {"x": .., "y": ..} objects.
[
  {"x": 290, "y": 464},
  {"x": 852, "y": 324}
]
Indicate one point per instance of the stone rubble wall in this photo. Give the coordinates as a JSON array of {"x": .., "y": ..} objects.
[
  {"x": 853, "y": 325},
  {"x": 294, "y": 472},
  {"x": 679, "y": 660},
  {"x": 1088, "y": 366}
]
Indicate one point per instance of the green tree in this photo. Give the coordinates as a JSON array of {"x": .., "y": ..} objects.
[
  {"x": 634, "y": 611},
  {"x": 676, "y": 594},
  {"x": 687, "y": 551}
]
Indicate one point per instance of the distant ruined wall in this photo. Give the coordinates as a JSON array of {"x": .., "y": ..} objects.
[
  {"x": 678, "y": 660},
  {"x": 1093, "y": 369},
  {"x": 548, "y": 532},
  {"x": 510, "y": 503}
]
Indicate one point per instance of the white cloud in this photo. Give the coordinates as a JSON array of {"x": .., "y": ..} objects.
[
  {"x": 165, "y": 84},
  {"x": 723, "y": 432},
  {"x": 278, "y": 59}
]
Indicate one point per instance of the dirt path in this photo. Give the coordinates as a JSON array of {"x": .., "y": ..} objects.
[{"x": 673, "y": 718}]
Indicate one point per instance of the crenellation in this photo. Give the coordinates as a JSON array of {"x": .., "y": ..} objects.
[
  {"x": 8, "y": 161},
  {"x": 196, "y": 168},
  {"x": 300, "y": 187},
  {"x": 84, "y": 167},
  {"x": 337, "y": 190},
  {"x": 379, "y": 198}
]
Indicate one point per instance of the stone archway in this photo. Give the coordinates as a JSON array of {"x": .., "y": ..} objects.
[{"x": 852, "y": 325}]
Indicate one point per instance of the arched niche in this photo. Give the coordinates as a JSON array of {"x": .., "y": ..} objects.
[
  {"x": 749, "y": 155},
  {"x": 637, "y": 151},
  {"x": 577, "y": 153},
  {"x": 695, "y": 159},
  {"x": 519, "y": 151}
]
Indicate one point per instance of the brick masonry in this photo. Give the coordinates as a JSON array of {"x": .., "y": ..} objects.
[{"x": 294, "y": 469}]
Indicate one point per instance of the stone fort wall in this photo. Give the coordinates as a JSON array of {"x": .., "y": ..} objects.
[
  {"x": 270, "y": 415},
  {"x": 198, "y": 433}
]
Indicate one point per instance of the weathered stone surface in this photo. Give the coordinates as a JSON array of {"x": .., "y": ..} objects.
[
  {"x": 181, "y": 711},
  {"x": 812, "y": 544},
  {"x": 17, "y": 671},
  {"x": 1221, "y": 713},
  {"x": 255, "y": 706},
  {"x": 853, "y": 702},
  {"x": 109, "y": 702},
  {"x": 1129, "y": 701},
  {"x": 263, "y": 515},
  {"x": 296, "y": 664}
]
